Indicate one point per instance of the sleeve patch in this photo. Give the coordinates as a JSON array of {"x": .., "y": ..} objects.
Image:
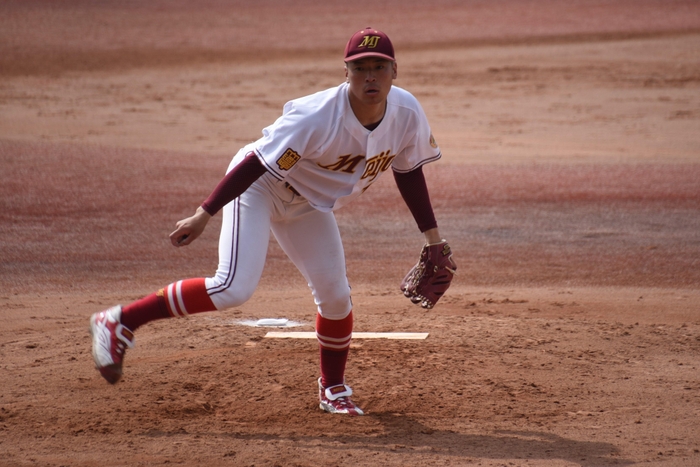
[
  {"x": 287, "y": 160},
  {"x": 433, "y": 143}
]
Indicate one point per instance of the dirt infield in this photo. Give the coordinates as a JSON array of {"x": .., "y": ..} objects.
[{"x": 569, "y": 190}]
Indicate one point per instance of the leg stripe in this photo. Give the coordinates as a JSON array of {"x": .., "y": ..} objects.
[
  {"x": 327, "y": 345},
  {"x": 321, "y": 337},
  {"x": 334, "y": 334},
  {"x": 178, "y": 290},
  {"x": 185, "y": 297},
  {"x": 233, "y": 260},
  {"x": 176, "y": 305},
  {"x": 171, "y": 303},
  {"x": 334, "y": 342}
]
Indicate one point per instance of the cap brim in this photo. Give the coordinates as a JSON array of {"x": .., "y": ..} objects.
[{"x": 369, "y": 54}]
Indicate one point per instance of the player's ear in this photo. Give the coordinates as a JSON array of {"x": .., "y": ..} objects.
[
  {"x": 394, "y": 67},
  {"x": 346, "y": 72}
]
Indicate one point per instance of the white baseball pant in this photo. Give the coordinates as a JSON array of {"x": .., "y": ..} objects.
[{"x": 309, "y": 237}]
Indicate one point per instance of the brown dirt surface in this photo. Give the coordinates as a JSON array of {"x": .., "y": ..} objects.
[{"x": 569, "y": 191}]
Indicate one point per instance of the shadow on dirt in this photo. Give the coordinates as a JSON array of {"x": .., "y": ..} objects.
[{"x": 501, "y": 444}]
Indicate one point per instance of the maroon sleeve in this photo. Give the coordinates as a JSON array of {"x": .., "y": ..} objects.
[
  {"x": 414, "y": 191},
  {"x": 234, "y": 183}
]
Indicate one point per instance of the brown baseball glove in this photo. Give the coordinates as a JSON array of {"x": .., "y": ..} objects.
[{"x": 430, "y": 278}]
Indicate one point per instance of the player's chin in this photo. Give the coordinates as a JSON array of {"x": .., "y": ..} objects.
[{"x": 374, "y": 97}]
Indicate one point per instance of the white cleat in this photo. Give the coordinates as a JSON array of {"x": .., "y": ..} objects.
[
  {"x": 109, "y": 341},
  {"x": 336, "y": 399}
]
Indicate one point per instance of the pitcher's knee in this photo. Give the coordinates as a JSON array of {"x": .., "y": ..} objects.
[
  {"x": 224, "y": 296},
  {"x": 335, "y": 308}
]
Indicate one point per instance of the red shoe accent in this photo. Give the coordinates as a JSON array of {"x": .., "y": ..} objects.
[{"x": 336, "y": 399}]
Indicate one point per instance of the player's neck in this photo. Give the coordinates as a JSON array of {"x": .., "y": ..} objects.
[{"x": 367, "y": 114}]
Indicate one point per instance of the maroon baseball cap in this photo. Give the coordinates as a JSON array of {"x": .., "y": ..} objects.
[{"x": 369, "y": 42}]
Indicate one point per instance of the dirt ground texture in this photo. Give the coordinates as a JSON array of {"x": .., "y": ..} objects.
[{"x": 569, "y": 189}]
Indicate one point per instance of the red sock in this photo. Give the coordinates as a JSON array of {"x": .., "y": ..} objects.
[
  {"x": 142, "y": 311},
  {"x": 334, "y": 341},
  {"x": 180, "y": 298}
]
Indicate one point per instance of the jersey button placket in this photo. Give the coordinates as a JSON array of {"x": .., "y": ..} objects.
[{"x": 371, "y": 146}]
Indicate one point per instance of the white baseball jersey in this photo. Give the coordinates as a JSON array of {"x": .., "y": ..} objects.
[{"x": 320, "y": 148}]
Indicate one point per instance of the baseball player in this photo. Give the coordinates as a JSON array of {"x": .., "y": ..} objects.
[{"x": 325, "y": 150}]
